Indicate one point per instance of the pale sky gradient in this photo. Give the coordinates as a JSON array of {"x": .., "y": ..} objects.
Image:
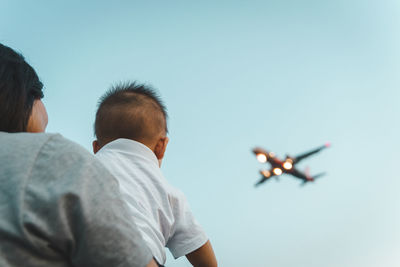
[{"x": 285, "y": 75}]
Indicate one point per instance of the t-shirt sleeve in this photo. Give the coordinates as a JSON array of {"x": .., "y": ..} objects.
[
  {"x": 187, "y": 234},
  {"x": 73, "y": 206}
]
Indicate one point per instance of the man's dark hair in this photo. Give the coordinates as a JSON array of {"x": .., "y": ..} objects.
[
  {"x": 132, "y": 111},
  {"x": 19, "y": 87}
]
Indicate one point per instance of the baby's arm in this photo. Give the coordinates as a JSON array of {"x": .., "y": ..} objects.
[
  {"x": 188, "y": 237},
  {"x": 203, "y": 256}
]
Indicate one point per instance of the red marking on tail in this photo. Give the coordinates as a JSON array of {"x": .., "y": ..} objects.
[{"x": 308, "y": 175}]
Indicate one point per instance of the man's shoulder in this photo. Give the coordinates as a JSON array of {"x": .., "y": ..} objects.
[
  {"x": 22, "y": 147},
  {"x": 14, "y": 141},
  {"x": 23, "y": 139}
]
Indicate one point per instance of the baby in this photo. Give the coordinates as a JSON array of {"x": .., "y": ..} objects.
[{"x": 131, "y": 132}]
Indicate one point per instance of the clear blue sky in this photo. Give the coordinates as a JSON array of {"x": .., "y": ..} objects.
[{"x": 285, "y": 75}]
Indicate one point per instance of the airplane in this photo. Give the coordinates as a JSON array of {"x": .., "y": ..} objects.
[{"x": 287, "y": 166}]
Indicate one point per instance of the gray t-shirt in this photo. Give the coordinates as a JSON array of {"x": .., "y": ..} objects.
[{"x": 60, "y": 207}]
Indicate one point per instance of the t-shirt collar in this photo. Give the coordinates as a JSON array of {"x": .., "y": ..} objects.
[{"x": 132, "y": 147}]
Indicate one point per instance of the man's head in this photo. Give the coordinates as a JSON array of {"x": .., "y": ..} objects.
[
  {"x": 132, "y": 111},
  {"x": 21, "y": 108}
]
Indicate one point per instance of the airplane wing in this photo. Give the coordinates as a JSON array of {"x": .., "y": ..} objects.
[
  {"x": 262, "y": 180},
  {"x": 309, "y": 153},
  {"x": 266, "y": 175}
]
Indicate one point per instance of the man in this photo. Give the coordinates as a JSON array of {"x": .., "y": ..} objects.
[{"x": 58, "y": 205}]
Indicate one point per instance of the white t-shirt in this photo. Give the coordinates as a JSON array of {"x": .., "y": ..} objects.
[{"x": 160, "y": 211}]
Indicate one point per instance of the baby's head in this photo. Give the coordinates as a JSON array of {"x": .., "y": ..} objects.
[{"x": 132, "y": 111}]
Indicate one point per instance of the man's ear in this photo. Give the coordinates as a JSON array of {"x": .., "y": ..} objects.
[
  {"x": 160, "y": 147},
  {"x": 96, "y": 146}
]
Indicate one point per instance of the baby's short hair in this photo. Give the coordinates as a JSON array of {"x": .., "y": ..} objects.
[{"x": 132, "y": 111}]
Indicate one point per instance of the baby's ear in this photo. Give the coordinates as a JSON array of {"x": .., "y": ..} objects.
[
  {"x": 160, "y": 148},
  {"x": 96, "y": 146}
]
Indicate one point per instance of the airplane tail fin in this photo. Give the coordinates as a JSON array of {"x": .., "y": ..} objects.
[
  {"x": 319, "y": 175},
  {"x": 304, "y": 183},
  {"x": 307, "y": 173},
  {"x": 311, "y": 178}
]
